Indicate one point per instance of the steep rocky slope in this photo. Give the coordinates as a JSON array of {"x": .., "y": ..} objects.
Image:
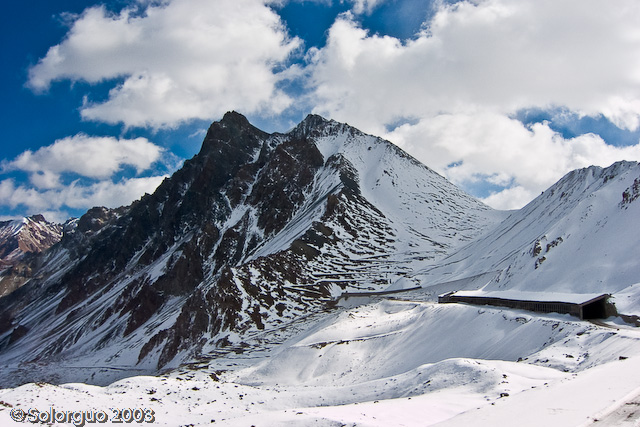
[{"x": 256, "y": 230}]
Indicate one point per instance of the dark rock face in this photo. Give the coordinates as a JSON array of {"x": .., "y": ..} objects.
[
  {"x": 631, "y": 194},
  {"x": 253, "y": 231},
  {"x": 186, "y": 221}
]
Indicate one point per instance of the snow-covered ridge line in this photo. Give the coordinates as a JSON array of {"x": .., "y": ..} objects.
[
  {"x": 224, "y": 279},
  {"x": 254, "y": 231},
  {"x": 575, "y": 238}
]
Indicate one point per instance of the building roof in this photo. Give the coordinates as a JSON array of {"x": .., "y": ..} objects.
[{"x": 516, "y": 295}]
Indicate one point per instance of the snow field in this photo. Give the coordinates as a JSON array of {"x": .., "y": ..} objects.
[{"x": 387, "y": 362}]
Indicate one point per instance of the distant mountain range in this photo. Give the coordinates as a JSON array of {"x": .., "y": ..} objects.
[
  {"x": 19, "y": 239},
  {"x": 260, "y": 229}
]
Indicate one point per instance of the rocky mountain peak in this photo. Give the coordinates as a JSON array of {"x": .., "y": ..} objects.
[
  {"x": 316, "y": 125},
  {"x": 37, "y": 218},
  {"x": 578, "y": 236},
  {"x": 233, "y": 117},
  {"x": 19, "y": 240},
  {"x": 233, "y": 130},
  {"x": 27, "y": 235},
  {"x": 254, "y": 231},
  {"x": 312, "y": 121}
]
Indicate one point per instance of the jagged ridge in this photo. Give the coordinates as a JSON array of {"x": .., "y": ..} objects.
[
  {"x": 19, "y": 239},
  {"x": 254, "y": 231}
]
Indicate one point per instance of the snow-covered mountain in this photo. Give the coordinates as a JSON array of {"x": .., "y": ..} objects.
[
  {"x": 235, "y": 263},
  {"x": 580, "y": 236},
  {"x": 27, "y": 235},
  {"x": 255, "y": 231},
  {"x": 18, "y": 238}
]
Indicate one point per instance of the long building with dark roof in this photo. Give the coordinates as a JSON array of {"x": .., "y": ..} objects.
[{"x": 583, "y": 306}]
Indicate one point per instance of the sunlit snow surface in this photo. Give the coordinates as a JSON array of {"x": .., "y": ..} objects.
[
  {"x": 404, "y": 360},
  {"x": 391, "y": 215},
  {"x": 381, "y": 361},
  {"x": 578, "y": 237}
]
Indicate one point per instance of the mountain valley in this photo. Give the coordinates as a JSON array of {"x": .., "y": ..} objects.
[{"x": 294, "y": 278}]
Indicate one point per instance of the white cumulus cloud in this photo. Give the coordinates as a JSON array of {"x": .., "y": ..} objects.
[
  {"x": 473, "y": 66},
  {"x": 88, "y": 156},
  {"x": 501, "y": 55},
  {"x": 502, "y": 151},
  {"x": 57, "y": 201},
  {"x": 176, "y": 61},
  {"x": 82, "y": 171}
]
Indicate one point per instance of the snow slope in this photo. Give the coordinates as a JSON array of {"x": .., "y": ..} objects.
[
  {"x": 255, "y": 231},
  {"x": 374, "y": 219},
  {"x": 394, "y": 212},
  {"x": 580, "y": 236},
  {"x": 387, "y": 362}
]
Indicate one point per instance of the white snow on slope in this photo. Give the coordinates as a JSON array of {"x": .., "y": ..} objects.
[
  {"x": 386, "y": 363},
  {"x": 403, "y": 360},
  {"x": 32, "y": 234},
  {"x": 422, "y": 202},
  {"x": 577, "y": 237},
  {"x": 428, "y": 215}
]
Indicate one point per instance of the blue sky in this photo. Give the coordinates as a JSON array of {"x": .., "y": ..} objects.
[{"x": 102, "y": 100}]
